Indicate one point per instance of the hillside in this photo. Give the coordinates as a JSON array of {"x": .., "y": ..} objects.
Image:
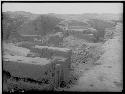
[
  {"x": 106, "y": 76},
  {"x": 106, "y": 73},
  {"x": 22, "y": 24},
  {"x": 62, "y": 52},
  {"x": 84, "y": 17}
]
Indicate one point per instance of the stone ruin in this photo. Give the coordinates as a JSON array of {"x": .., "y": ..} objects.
[{"x": 52, "y": 72}]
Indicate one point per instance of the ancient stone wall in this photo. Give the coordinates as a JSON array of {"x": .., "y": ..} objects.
[{"x": 54, "y": 71}]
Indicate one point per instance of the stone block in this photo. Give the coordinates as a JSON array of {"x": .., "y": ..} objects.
[{"x": 53, "y": 51}]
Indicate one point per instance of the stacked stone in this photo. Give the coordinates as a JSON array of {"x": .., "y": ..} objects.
[
  {"x": 114, "y": 32},
  {"x": 54, "y": 71},
  {"x": 86, "y": 54},
  {"x": 109, "y": 33},
  {"x": 80, "y": 56}
]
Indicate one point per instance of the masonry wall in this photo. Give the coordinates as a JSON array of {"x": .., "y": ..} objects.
[{"x": 56, "y": 71}]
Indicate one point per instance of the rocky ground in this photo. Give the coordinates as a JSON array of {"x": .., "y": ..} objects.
[
  {"x": 96, "y": 66},
  {"x": 106, "y": 73},
  {"x": 95, "y": 58}
]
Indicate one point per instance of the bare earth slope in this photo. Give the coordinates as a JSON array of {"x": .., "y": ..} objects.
[{"x": 107, "y": 74}]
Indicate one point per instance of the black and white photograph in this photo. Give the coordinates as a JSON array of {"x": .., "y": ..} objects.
[{"x": 62, "y": 46}]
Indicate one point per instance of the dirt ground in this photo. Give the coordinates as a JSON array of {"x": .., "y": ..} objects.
[{"x": 106, "y": 74}]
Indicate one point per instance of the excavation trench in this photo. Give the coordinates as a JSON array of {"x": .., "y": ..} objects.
[{"x": 58, "y": 74}]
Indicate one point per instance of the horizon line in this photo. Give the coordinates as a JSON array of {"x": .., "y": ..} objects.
[{"x": 64, "y": 13}]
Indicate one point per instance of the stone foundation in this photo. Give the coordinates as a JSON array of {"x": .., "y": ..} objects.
[{"x": 55, "y": 71}]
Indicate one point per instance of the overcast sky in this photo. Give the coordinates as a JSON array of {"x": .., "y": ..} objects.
[{"x": 64, "y": 8}]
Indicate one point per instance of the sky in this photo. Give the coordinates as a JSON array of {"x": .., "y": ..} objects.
[{"x": 64, "y": 8}]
